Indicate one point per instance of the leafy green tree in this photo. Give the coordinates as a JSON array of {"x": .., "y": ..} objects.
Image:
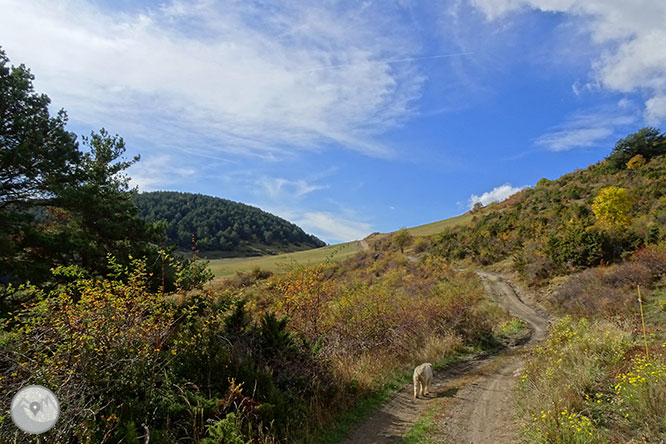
[
  {"x": 648, "y": 142},
  {"x": 37, "y": 154},
  {"x": 402, "y": 239},
  {"x": 102, "y": 216}
]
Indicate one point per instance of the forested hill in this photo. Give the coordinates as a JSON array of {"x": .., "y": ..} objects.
[{"x": 220, "y": 224}]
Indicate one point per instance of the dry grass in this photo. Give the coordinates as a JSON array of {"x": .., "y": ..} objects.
[
  {"x": 439, "y": 226},
  {"x": 367, "y": 372},
  {"x": 610, "y": 291}
]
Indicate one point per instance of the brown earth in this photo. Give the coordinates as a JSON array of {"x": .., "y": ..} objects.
[{"x": 472, "y": 398}]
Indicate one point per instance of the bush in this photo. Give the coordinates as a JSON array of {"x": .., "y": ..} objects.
[
  {"x": 225, "y": 431},
  {"x": 124, "y": 361},
  {"x": 609, "y": 291}
]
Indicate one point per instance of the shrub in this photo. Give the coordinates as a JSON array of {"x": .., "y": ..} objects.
[
  {"x": 609, "y": 291},
  {"x": 575, "y": 247},
  {"x": 225, "y": 431}
]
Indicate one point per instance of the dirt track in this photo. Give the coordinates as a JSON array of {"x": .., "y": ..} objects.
[{"x": 472, "y": 398}]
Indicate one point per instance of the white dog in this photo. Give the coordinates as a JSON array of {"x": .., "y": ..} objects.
[{"x": 422, "y": 379}]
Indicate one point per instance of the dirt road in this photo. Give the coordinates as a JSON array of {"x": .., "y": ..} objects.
[{"x": 472, "y": 398}]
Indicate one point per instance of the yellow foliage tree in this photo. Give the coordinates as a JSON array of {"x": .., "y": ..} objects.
[
  {"x": 636, "y": 162},
  {"x": 612, "y": 207}
]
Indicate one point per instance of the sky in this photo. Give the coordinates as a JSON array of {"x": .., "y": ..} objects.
[{"x": 349, "y": 117}]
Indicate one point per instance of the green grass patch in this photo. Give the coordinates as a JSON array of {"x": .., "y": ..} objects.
[
  {"x": 512, "y": 327},
  {"x": 513, "y": 331},
  {"x": 281, "y": 262},
  {"x": 422, "y": 430}
]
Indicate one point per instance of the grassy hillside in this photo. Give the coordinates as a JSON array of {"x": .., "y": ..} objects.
[
  {"x": 593, "y": 242},
  {"x": 439, "y": 226},
  {"x": 228, "y": 266}
]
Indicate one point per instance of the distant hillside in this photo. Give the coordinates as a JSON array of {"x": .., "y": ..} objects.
[
  {"x": 222, "y": 225},
  {"x": 552, "y": 228}
]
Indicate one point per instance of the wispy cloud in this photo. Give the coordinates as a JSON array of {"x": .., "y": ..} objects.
[
  {"x": 497, "y": 194},
  {"x": 585, "y": 129},
  {"x": 159, "y": 172},
  {"x": 631, "y": 35},
  {"x": 334, "y": 228},
  {"x": 331, "y": 227},
  {"x": 569, "y": 138},
  {"x": 278, "y": 187},
  {"x": 232, "y": 78}
]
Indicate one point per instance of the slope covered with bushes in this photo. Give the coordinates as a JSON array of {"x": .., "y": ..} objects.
[
  {"x": 220, "y": 224},
  {"x": 580, "y": 220}
]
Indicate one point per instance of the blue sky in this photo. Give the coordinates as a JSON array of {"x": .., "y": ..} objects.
[{"x": 349, "y": 117}]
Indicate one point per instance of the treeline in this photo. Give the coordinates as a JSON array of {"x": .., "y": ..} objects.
[
  {"x": 219, "y": 224},
  {"x": 583, "y": 219}
]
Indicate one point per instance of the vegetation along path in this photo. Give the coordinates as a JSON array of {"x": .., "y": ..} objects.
[{"x": 470, "y": 401}]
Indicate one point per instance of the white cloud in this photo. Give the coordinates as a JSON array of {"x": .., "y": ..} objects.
[
  {"x": 567, "y": 139},
  {"x": 494, "y": 9},
  {"x": 243, "y": 78},
  {"x": 334, "y": 228},
  {"x": 343, "y": 226},
  {"x": 587, "y": 129},
  {"x": 497, "y": 194},
  {"x": 278, "y": 187},
  {"x": 631, "y": 33},
  {"x": 157, "y": 172},
  {"x": 655, "y": 109}
]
